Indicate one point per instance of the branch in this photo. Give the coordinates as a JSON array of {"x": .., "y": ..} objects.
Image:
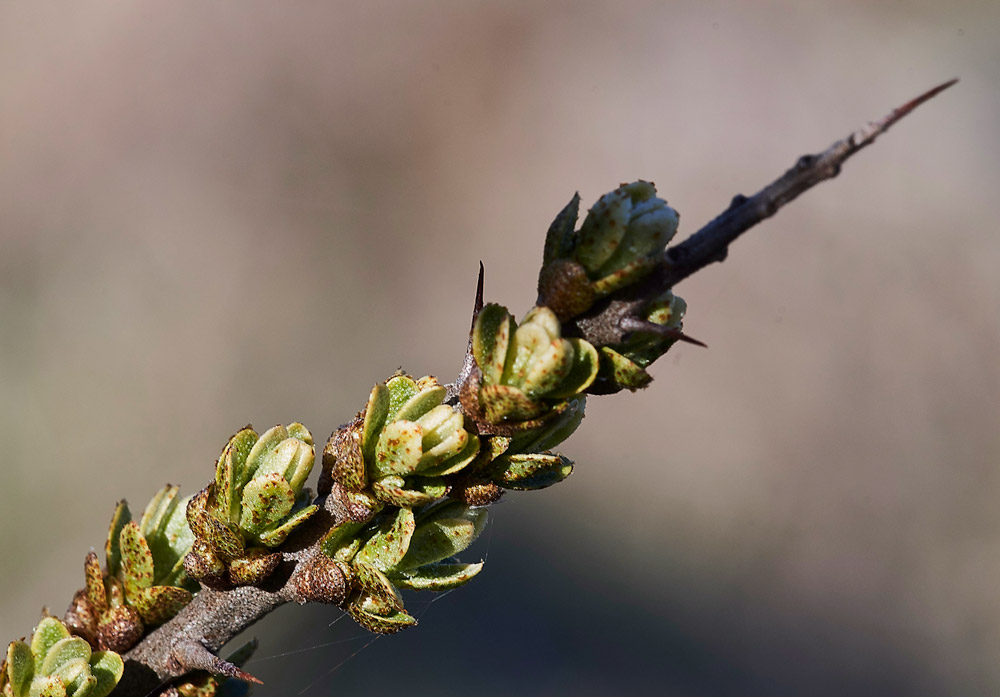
[
  {"x": 189, "y": 641},
  {"x": 610, "y": 322}
]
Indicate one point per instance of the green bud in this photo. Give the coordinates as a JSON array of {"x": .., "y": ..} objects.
[
  {"x": 57, "y": 663},
  {"x": 258, "y": 498},
  {"x": 527, "y": 370},
  {"x": 620, "y": 242}
]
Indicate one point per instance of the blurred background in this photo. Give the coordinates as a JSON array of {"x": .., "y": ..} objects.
[{"x": 219, "y": 213}]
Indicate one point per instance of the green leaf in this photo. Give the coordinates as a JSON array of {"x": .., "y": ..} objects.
[
  {"x": 500, "y": 403},
  {"x": 529, "y": 471},
  {"x": 112, "y": 550},
  {"x": 267, "y": 499},
  {"x": 380, "y": 596},
  {"x": 158, "y": 604},
  {"x": 622, "y": 371},
  {"x": 231, "y": 473},
  {"x": 582, "y": 371},
  {"x": 401, "y": 389},
  {"x": 418, "y": 491},
  {"x": 75, "y": 677},
  {"x": 107, "y": 667},
  {"x": 603, "y": 229},
  {"x": 261, "y": 452},
  {"x": 222, "y": 539},
  {"x": 277, "y": 535},
  {"x": 437, "y": 577},
  {"x": 560, "y": 238},
  {"x": 399, "y": 449},
  {"x": 63, "y": 652},
  {"x": 421, "y": 403},
  {"x": 490, "y": 341},
  {"x": 137, "y": 561},
  {"x": 375, "y": 415},
  {"x": 458, "y": 462},
  {"x": 379, "y": 624},
  {"x": 48, "y": 686},
  {"x": 548, "y": 369},
  {"x": 389, "y": 543},
  {"x": 339, "y": 538},
  {"x": 48, "y": 633},
  {"x": 20, "y": 667},
  {"x": 443, "y": 532}
]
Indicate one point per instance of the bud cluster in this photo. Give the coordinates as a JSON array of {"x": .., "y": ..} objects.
[
  {"x": 619, "y": 243},
  {"x": 144, "y": 582},
  {"x": 257, "y": 499},
  {"x": 57, "y": 664}
]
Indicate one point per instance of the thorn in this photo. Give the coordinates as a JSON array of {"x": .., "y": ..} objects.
[
  {"x": 632, "y": 325},
  {"x": 193, "y": 655}
]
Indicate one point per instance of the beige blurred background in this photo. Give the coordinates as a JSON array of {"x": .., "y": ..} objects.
[{"x": 215, "y": 213}]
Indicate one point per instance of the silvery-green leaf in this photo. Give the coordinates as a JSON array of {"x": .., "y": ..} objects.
[
  {"x": 158, "y": 604},
  {"x": 442, "y": 532},
  {"x": 107, "y": 667},
  {"x": 560, "y": 238},
  {"x": 622, "y": 371},
  {"x": 292, "y": 460},
  {"x": 582, "y": 371},
  {"x": 340, "y": 536},
  {"x": 389, "y": 543},
  {"x": 401, "y": 389},
  {"x": 75, "y": 676},
  {"x": 267, "y": 499},
  {"x": 381, "y": 596},
  {"x": 450, "y": 446},
  {"x": 157, "y": 509},
  {"x": 63, "y": 652},
  {"x": 275, "y": 536},
  {"x": 530, "y": 339},
  {"x": 551, "y": 434},
  {"x": 262, "y": 451},
  {"x": 490, "y": 340},
  {"x": 381, "y": 625},
  {"x": 48, "y": 686},
  {"x": 548, "y": 369},
  {"x": 418, "y": 491},
  {"x": 223, "y": 540},
  {"x": 231, "y": 473},
  {"x": 97, "y": 594},
  {"x": 170, "y": 545},
  {"x": 545, "y": 318},
  {"x": 458, "y": 461},
  {"x": 529, "y": 471},
  {"x": 437, "y": 577},
  {"x": 603, "y": 229},
  {"x": 501, "y": 403},
  {"x": 625, "y": 276},
  {"x": 421, "y": 403},
  {"x": 112, "y": 551},
  {"x": 399, "y": 449},
  {"x": 375, "y": 415},
  {"x": 299, "y": 431},
  {"x": 48, "y": 633},
  {"x": 137, "y": 561},
  {"x": 439, "y": 423},
  {"x": 647, "y": 237},
  {"x": 20, "y": 667}
]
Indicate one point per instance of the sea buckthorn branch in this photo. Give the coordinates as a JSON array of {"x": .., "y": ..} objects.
[{"x": 406, "y": 484}]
